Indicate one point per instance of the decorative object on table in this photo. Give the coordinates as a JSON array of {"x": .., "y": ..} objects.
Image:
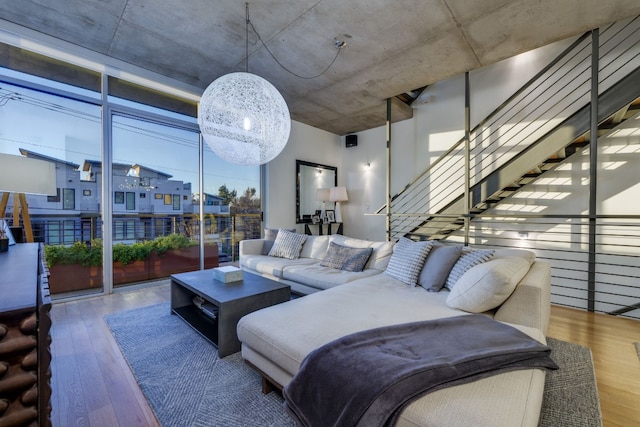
[
  {"x": 338, "y": 194},
  {"x": 331, "y": 216},
  {"x": 227, "y": 274},
  {"x": 243, "y": 117},
  {"x": 22, "y": 175},
  {"x": 6, "y": 237},
  {"x": 4, "y": 241},
  {"x": 315, "y": 219},
  {"x": 322, "y": 195}
]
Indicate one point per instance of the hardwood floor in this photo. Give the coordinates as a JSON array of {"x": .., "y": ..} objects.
[
  {"x": 93, "y": 386},
  {"x": 615, "y": 359}
]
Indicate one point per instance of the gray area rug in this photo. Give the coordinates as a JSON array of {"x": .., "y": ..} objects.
[{"x": 186, "y": 383}]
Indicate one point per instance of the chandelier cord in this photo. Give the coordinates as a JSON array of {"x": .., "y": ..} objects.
[
  {"x": 249, "y": 23},
  {"x": 246, "y": 45}
]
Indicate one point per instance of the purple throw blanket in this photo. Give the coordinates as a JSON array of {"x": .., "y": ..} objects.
[{"x": 367, "y": 378}]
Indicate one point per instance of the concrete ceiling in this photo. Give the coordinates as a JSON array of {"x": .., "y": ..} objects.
[{"x": 393, "y": 46}]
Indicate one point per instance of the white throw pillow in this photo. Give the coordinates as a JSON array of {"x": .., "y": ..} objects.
[
  {"x": 487, "y": 285},
  {"x": 287, "y": 244}
]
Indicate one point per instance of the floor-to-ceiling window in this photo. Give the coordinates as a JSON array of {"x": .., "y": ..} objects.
[
  {"x": 147, "y": 143},
  {"x": 59, "y": 124}
]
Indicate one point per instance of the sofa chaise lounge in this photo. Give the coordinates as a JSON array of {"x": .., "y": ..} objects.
[{"x": 275, "y": 340}]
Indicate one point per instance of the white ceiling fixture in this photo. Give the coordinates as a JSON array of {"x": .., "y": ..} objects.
[{"x": 243, "y": 117}]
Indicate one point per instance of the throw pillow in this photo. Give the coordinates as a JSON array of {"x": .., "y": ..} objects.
[
  {"x": 407, "y": 260},
  {"x": 271, "y": 233},
  {"x": 287, "y": 244},
  {"x": 438, "y": 266},
  {"x": 487, "y": 285},
  {"x": 469, "y": 258},
  {"x": 346, "y": 258}
]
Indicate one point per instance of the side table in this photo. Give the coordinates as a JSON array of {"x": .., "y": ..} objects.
[{"x": 308, "y": 228}]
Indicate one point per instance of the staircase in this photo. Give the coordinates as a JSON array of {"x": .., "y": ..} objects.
[{"x": 553, "y": 113}]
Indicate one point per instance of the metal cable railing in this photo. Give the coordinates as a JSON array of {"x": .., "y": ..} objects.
[
  {"x": 554, "y": 94},
  {"x": 562, "y": 241},
  {"x": 432, "y": 205}
]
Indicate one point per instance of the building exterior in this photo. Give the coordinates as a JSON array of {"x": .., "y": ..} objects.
[{"x": 146, "y": 204}]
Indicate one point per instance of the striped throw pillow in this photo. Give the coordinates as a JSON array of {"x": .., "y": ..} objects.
[
  {"x": 408, "y": 259},
  {"x": 468, "y": 258}
]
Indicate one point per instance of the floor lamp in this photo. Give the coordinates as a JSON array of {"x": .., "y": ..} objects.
[
  {"x": 338, "y": 194},
  {"x": 21, "y": 175}
]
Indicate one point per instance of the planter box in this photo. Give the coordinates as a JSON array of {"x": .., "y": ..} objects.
[
  {"x": 181, "y": 260},
  {"x": 137, "y": 271},
  {"x": 74, "y": 277}
]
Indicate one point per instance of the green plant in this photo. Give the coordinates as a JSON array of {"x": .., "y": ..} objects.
[
  {"x": 77, "y": 253},
  {"x": 90, "y": 254},
  {"x": 126, "y": 254}
]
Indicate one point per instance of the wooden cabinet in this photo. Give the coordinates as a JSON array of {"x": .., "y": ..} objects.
[{"x": 25, "y": 357}]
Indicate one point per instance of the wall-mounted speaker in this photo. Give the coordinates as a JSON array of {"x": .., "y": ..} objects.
[{"x": 351, "y": 140}]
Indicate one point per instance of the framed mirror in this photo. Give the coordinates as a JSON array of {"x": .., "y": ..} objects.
[{"x": 309, "y": 178}]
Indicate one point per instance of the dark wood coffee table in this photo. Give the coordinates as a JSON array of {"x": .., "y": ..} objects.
[{"x": 230, "y": 301}]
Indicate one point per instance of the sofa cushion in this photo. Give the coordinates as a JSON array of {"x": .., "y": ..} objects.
[
  {"x": 319, "y": 277},
  {"x": 438, "y": 265},
  {"x": 468, "y": 258},
  {"x": 346, "y": 258},
  {"x": 511, "y": 252},
  {"x": 315, "y": 247},
  {"x": 274, "y": 266},
  {"x": 487, "y": 285},
  {"x": 382, "y": 251},
  {"x": 408, "y": 259},
  {"x": 287, "y": 245}
]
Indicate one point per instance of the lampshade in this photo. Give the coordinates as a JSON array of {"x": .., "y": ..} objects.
[
  {"x": 244, "y": 119},
  {"x": 322, "y": 194},
  {"x": 20, "y": 174},
  {"x": 338, "y": 194}
]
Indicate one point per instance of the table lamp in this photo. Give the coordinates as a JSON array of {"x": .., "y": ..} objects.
[
  {"x": 322, "y": 195},
  {"x": 338, "y": 194}
]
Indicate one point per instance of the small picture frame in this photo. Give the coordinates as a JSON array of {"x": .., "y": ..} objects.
[
  {"x": 315, "y": 219},
  {"x": 331, "y": 216}
]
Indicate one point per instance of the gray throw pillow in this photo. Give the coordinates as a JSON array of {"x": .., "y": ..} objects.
[
  {"x": 287, "y": 244},
  {"x": 469, "y": 258},
  {"x": 407, "y": 260},
  {"x": 346, "y": 258},
  {"x": 271, "y": 233},
  {"x": 438, "y": 266}
]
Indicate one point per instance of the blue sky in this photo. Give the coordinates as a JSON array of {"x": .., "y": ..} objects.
[{"x": 70, "y": 130}]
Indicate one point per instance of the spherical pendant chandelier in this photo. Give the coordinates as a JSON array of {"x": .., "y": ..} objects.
[{"x": 244, "y": 119}]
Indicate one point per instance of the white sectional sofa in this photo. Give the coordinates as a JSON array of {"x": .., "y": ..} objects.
[
  {"x": 304, "y": 274},
  {"x": 275, "y": 340}
]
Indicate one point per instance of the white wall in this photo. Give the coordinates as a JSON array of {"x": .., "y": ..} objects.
[
  {"x": 305, "y": 143},
  {"x": 438, "y": 123}
]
